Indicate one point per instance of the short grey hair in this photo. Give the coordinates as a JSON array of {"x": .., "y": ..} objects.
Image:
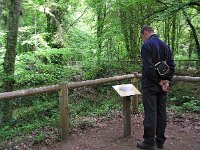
[{"x": 146, "y": 28}]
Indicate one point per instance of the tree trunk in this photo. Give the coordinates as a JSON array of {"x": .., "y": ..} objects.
[
  {"x": 167, "y": 32},
  {"x": 3, "y": 21},
  {"x": 51, "y": 29},
  {"x": 193, "y": 32},
  {"x": 10, "y": 56},
  {"x": 178, "y": 34},
  {"x": 54, "y": 27},
  {"x": 173, "y": 48},
  {"x": 101, "y": 15},
  {"x": 136, "y": 40},
  {"x": 191, "y": 45},
  {"x": 129, "y": 30},
  {"x": 125, "y": 30}
]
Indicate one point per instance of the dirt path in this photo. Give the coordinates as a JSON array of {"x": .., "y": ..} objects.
[{"x": 183, "y": 133}]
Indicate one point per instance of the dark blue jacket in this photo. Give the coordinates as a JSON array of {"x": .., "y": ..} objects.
[{"x": 153, "y": 51}]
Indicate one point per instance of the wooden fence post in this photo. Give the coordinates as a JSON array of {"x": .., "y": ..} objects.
[
  {"x": 135, "y": 97},
  {"x": 64, "y": 117}
]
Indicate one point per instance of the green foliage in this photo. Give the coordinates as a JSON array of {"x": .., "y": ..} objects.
[
  {"x": 185, "y": 97},
  {"x": 44, "y": 67},
  {"x": 28, "y": 118},
  {"x": 39, "y": 138},
  {"x": 2, "y": 41},
  {"x": 183, "y": 92},
  {"x": 184, "y": 56},
  {"x": 8, "y": 132},
  {"x": 39, "y": 110},
  {"x": 107, "y": 102},
  {"x": 192, "y": 106},
  {"x": 81, "y": 41},
  {"x": 108, "y": 69}
]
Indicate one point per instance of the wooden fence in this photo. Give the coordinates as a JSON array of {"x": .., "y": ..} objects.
[{"x": 62, "y": 88}]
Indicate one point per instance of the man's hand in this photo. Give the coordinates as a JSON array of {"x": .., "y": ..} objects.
[
  {"x": 165, "y": 85},
  {"x": 162, "y": 82}
]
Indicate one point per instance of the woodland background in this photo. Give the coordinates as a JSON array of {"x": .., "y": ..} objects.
[{"x": 46, "y": 42}]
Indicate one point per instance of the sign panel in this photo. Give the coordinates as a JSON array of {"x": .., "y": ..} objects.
[{"x": 126, "y": 90}]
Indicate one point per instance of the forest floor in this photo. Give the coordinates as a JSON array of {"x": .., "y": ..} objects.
[{"x": 183, "y": 133}]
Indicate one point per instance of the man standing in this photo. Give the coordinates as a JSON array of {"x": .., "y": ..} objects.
[{"x": 154, "y": 88}]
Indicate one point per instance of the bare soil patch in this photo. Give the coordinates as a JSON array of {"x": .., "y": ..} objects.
[{"x": 183, "y": 133}]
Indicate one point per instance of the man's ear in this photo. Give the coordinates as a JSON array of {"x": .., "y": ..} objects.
[{"x": 146, "y": 32}]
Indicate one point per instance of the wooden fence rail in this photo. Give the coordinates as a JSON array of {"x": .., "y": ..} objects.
[
  {"x": 54, "y": 88},
  {"x": 62, "y": 88},
  {"x": 29, "y": 92}
]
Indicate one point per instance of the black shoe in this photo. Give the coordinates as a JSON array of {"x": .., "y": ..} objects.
[
  {"x": 159, "y": 145},
  {"x": 143, "y": 145}
]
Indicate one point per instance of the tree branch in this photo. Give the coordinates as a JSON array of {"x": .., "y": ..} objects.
[
  {"x": 84, "y": 11},
  {"x": 178, "y": 7},
  {"x": 193, "y": 31}
]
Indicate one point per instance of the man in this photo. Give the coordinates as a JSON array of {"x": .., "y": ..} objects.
[{"x": 154, "y": 88}]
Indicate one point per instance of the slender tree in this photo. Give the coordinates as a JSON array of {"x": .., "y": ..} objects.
[
  {"x": 129, "y": 27},
  {"x": 10, "y": 56},
  {"x": 101, "y": 15},
  {"x": 193, "y": 32},
  {"x": 173, "y": 35}
]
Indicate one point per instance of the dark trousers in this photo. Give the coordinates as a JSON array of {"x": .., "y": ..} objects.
[{"x": 155, "y": 120}]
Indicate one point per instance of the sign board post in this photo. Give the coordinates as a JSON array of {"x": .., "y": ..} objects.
[
  {"x": 135, "y": 98},
  {"x": 126, "y": 91}
]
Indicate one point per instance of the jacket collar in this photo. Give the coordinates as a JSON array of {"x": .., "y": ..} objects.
[{"x": 153, "y": 36}]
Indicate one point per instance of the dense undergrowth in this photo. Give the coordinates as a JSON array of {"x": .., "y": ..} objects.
[{"x": 34, "y": 113}]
